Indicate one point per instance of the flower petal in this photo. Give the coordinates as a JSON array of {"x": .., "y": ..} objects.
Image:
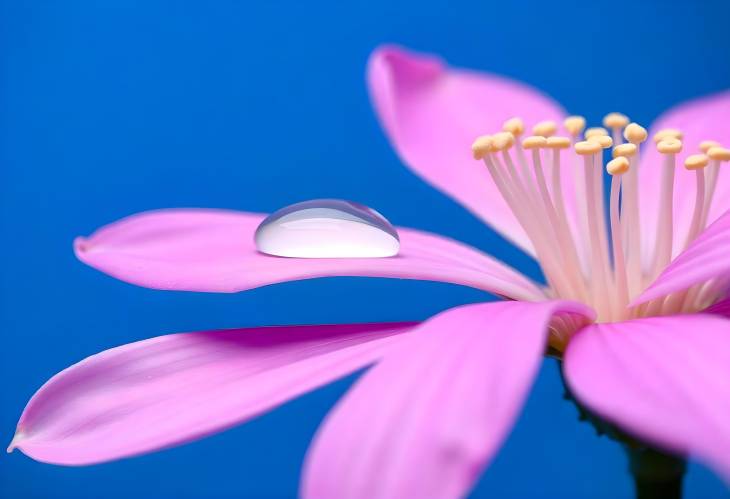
[
  {"x": 428, "y": 418},
  {"x": 214, "y": 250},
  {"x": 662, "y": 379},
  {"x": 699, "y": 119},
  {"x": 169, "y": 390},
  {"x": 433, "y": 113},
  {"x": 706, "y": 258}
]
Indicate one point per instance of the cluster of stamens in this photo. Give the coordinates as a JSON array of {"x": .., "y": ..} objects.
[{"x": 603, "y": 267}]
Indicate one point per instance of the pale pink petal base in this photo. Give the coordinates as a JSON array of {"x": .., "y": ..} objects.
[
  {"x": 665, "y": 380},
  {"x": 426, "y": 420},
  {"x": 214, "y": 250},
  {"x": 172, "y": 389},
  {"x": 708, "y": 257},
  {"x": 432, "y": 113}
]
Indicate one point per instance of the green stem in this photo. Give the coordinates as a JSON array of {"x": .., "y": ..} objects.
[{"x": 656, "y": 475}]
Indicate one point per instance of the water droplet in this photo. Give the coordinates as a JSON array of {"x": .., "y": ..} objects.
[{"x": 327, "y": 228}]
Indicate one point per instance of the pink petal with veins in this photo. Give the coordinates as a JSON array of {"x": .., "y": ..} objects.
[
  {"x": 214, "y": 250},
  {"x": 665, "y": 380},
  {"x": 427, "y": 420},
  {"x": 169, "y": 390}
]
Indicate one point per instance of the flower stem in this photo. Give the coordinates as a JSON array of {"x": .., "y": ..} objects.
[{"x": 656, "y": 475}]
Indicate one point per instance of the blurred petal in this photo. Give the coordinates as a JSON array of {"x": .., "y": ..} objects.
[
  {"x": 720, "y": 308},
  {"x": 170, "y": 390},
  {"x": 706, "y": 258},
  {"x": 699, "y": 119},
  {"x": 214, "y": 250},
  {"x": 428, "y": 418},
  {"x": 662, "y": 379},
  {"x": 433, "y": 113}
]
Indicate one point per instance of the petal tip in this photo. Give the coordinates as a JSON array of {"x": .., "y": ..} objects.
[
  {"x": 19, "y": 435},
  {"x": 81, "y": 245},
  {"x": 395, "y": 59}
]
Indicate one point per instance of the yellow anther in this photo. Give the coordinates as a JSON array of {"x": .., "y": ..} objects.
[
  {"x": 669, "y": 145},
  {"x": 481, "y": 146},
  {"x": 502, "y": 141},
  {"x": 618, "y": 166},
  {"x": 706, "y": 145},
  {"x": 574, "y": 125},
  {"x": 696, "y": 161},
  {"x": 545, "y": 128},
  {"x": 603, "y": 140},
  {"x": 595, "y": 132},
  {"x": 558, "y": 142},
  {"x": 719, "y": 153},
  {"x": 635, "y": 133},
  {"x": 668, "y": 133},
  {"x": 534, "y": 142},
  {"x": 587, "y": 147},
  {"x": 624, "y": 150},
  {"x": 615, "y": 120},
  {"x": 515, "y": 126}
]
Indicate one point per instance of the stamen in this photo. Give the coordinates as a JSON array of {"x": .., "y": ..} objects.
[
  {"x": 615, "y": 122},
  {"x": 545, "y": 128},
  {"x": 603, "y": 140},
  {"x": 567, "y": 248},
  {"x": 706, "y": 145},
  {"x": 595, "y": 132},
  {"x": 717, "y": 154},
  {"x": 669, "y": 147},
  {"x": 635, "y": 134},
  {"x": 598, "y": 199},
  {"x": 509, "y": 185},
  {"x": 616, "y": 168},
  {"x": 624, "y": 150},
  {"x": 574, "y": 125},
  {"x": 668, "y": 133},
  {"x": 697, "y": 162},
  {"x": 599, "y": 286},
  {"x": 515, "y": 126}
]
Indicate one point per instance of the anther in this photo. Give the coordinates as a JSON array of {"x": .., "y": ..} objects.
[
  {"x": 719, "y": 153},
  {"x": 545, "y": 128},
  {"x": 502, "y": 141},
  {"x": 481, "y": 146},
  {"x": 615, "y": 120},
  {"x": 534, "y": 142},
  {"x": 618, "y": 166},
  {"x": 515, "y": 126},
  {"x": 603, "y": 140},
  {"x": 574, "y": 125},
  {"x": 705, "y": 145},
  {"x": 624, "y": 150},
  {"x": 696, "y": 161},
  {"x": 635, "y": 133},
  {"x": 595, "y": 132},
  {"x": 668, "y": 133},
  {"x": 557, "y": 142},
  {"x": 586, "y": 147},
  {"x": 669, "y": 145}
]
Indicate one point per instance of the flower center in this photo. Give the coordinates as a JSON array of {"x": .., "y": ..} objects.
[{"x": 587, "y": 252}]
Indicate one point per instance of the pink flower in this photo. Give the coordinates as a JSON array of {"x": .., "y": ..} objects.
[{"x": 645, "y": 342}]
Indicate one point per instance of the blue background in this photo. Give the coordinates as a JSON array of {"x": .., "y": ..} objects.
[{"x": 114, "y": 107}]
